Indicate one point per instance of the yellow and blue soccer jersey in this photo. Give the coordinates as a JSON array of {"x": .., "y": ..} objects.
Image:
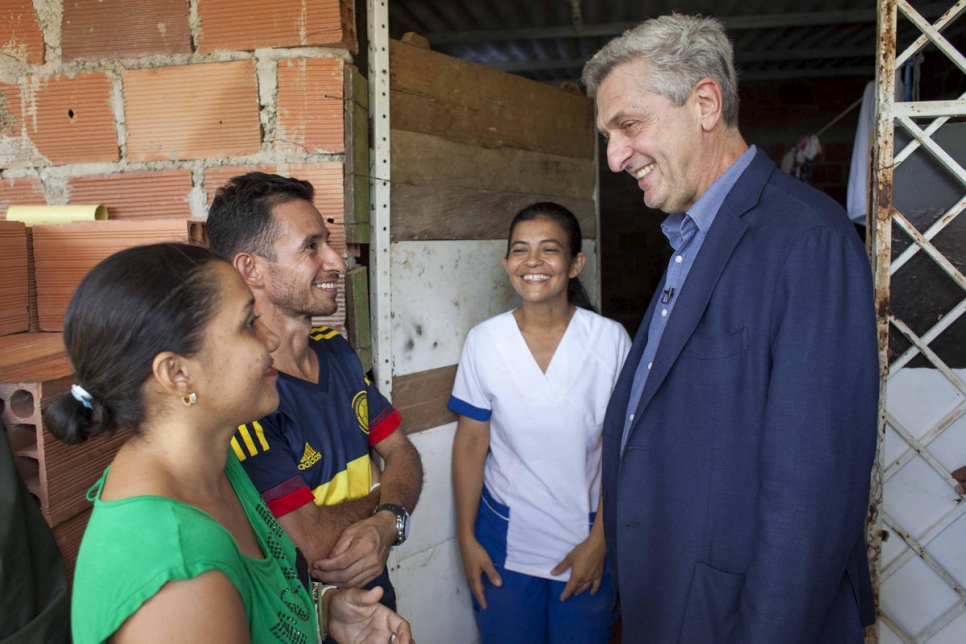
[{"x": 315, "y": 446}]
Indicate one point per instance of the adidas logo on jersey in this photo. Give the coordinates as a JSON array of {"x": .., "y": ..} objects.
[{"x": 309, "y": 458}]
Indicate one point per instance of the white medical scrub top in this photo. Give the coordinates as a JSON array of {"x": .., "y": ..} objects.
[{"x": 545, "y": 429}]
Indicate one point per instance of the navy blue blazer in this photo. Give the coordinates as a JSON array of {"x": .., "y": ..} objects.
[{"x": 736, "y": 512}]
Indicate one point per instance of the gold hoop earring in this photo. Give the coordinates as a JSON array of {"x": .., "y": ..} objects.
[{"x": 190, "y": 399}]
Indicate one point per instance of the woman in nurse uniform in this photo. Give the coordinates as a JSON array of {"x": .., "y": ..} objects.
[{"x": 531, "y": 392}]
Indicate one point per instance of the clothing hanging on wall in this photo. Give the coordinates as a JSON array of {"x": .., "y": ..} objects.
[
  {"x": 857, "y": 192},
  {"x": 798, "y": 160}
]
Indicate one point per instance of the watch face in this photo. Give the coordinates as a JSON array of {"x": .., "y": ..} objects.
[{"x": 402, "y": 521}]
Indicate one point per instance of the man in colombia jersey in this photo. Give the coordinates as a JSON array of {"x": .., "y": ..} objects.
[{"x": 310, "y": 458}]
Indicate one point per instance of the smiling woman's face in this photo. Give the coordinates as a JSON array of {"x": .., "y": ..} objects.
[{"x": 539, "y": 263}]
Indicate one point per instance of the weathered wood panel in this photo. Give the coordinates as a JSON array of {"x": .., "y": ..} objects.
[
  {"x": 437, "y": 94},
  {"x": 427, "y": 212},
  {"x": 357, "y": 325},
  {"x": 423, "y": 160},
  {"x": 471, "y": 146},
  {"x": 421, "y": 398},
  {"x": 356, "y": 129}
]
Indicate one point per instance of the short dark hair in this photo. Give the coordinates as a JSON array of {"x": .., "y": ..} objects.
[
  {"x": 128, "y": 309},
  {"x": 240, "y": 218},
  {"x": 576, "y": 294}
]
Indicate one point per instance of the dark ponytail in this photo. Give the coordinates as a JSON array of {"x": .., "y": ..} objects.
[
  {"x": 576, "y": 294},
  {"x": 71, "y": 421},
  {"x": 128, "y": 309}
]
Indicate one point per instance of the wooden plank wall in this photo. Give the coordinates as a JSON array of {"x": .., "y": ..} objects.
[{"x": 470, "y": 147}]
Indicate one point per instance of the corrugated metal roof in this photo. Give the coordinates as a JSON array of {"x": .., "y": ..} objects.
[{"x": 549, "y": 40}]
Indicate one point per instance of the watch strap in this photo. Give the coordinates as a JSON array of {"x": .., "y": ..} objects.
[{"x": 402, "y": 518}]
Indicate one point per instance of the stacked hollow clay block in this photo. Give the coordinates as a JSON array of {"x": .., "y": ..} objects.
[
  {"x": 64, "y": 253},
  {"x": 14, "y": 291},
  {"x": 34, "y": 366},
  {"x": 31, "y": 284}
]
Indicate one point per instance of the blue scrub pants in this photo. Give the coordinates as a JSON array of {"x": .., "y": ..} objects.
[{"x": 528, "y": 609}]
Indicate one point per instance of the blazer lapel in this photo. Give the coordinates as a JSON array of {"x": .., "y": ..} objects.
[
  {"x": 622, "y": 389},
  {"x": 617, "y": 407},
  {"x": 720, "y": 242}
]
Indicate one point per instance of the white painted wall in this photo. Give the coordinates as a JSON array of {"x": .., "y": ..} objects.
[
  {"x": 923, "y": 503},
  {"x": 426, "y": 570},
  {"x": 442, "y": 289}
]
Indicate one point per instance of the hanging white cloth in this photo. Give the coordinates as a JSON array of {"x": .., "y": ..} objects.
[{"x": 857, "y": 191}]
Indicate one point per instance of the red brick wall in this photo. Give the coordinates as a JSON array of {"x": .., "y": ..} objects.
[
  {"x": 20, "y": 34},
  {"x": 111, "y": 29},
  {"x": 229, "y": 24},
  {"x": 69, "y": 118},
  {"x": 192, "y": 111},
  {"x": 146, "y": 106}
]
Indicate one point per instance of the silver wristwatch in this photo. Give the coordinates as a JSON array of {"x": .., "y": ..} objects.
[{"x": 402, "y": 520}]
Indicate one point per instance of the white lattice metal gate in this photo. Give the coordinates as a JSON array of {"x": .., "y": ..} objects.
[{"x": 918, "y": 529}]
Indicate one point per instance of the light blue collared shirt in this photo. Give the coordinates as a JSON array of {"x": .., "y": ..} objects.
[{"x": 686, "y": 233}]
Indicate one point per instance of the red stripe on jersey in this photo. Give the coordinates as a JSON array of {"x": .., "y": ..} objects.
[
  {"x": 384, "y": 428},
  {"x": 290, "y": 502}
]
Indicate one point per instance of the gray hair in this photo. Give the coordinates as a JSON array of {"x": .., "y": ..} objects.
[{"x": 680, "y": 50}]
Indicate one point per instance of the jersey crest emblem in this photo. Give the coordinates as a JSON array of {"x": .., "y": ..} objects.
[
  {"x": 360, "y": 405},
  {"x": 309, "y": 458}
]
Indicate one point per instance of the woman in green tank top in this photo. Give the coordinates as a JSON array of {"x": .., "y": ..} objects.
[{"x": 166, "y": 345}]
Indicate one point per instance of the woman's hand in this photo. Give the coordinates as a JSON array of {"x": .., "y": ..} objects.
[
  {"x": 586, "y": 563},
  {"x": 355, "y": 616},
  {"x": 476, "y": 563},
  {"x": 470, "y": 447}
]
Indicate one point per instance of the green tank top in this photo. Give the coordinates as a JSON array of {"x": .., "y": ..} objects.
[{"x": 133, "y": 546}]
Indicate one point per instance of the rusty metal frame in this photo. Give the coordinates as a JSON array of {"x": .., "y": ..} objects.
[{"x": 883, "y": 215}]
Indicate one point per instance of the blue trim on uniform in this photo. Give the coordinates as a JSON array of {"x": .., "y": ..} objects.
[
  {"x": 463, "y": 408},
  {"x": 495, "y": 506}
]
